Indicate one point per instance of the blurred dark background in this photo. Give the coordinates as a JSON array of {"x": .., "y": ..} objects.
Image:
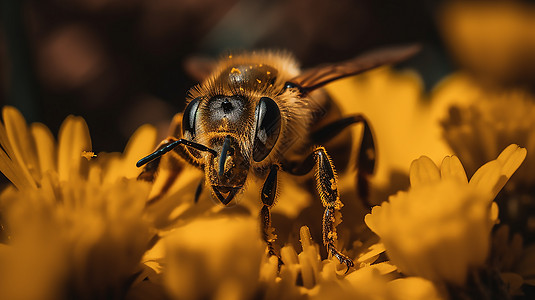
[{"x": 120, "y": 63}]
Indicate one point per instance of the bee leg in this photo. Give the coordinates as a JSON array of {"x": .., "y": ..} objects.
[
  {"x": 327, "y": 185},
  {"x": 268, "y": 194},
  {"x": 366, "y": 163},
  {"x": 367, "y": 153}
]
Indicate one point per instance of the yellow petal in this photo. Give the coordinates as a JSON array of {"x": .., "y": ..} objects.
[
  {"x": 494, "y": 211},
  {"x": 413, "y": 288},
  {"x": 373, "y": 252},
  {"x": 309, "y": 259},
  {"x": 73, "y": 140},
  {"x": 4, "y": 140},
  {"x": 8, "y": 165},
  {"x": 22, "y": 145},
  {"x": 511, "y": 159},
  {"x": 423, "y": 171},
  {"x": 451, "y": 168},
  {"x": 487, "y": 176},
  {"x": 306, "y": 238},
  {"x": 298, "y": 195},
  {"x": 384, "y": 267},
  {"x": 371, "y": 219},
  {"x": 140, "y": 144},
  {"x": 46, "y": 147},
  {"x": 493, "y": 175},
  {"x": 289, "y": 256},
  {"x": 269, "y": 269}
]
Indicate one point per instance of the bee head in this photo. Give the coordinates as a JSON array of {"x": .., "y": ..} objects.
[{"x": 239, "y": 132}]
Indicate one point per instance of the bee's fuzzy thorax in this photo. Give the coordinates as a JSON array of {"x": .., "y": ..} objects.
[{"x": 218, "y": 83}]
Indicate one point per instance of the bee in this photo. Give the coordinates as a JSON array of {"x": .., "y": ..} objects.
[{"x": 258, "y": 114}]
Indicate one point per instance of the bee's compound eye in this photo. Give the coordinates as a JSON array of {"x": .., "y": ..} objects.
[
  {"x": 268, "y": 125},
  {"x": 189, "y": 118}
]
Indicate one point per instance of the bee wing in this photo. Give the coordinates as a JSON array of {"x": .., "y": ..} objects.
[{"x": 319, "y": 76}]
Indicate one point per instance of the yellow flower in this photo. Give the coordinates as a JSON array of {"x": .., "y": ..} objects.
[
  {"x": 317, "y": 279},
  {"x": 492, "y": 39},
  {"x": 441, "y": 227},
  {"x": 77, "y": 229},
  {"x": 486, "y": 123},
  {"x": 222, "y": 258},
  {"x": 404, "y": 122},
  {"x": 479, "y": 130},
  {"x": 27, "y": 154}
]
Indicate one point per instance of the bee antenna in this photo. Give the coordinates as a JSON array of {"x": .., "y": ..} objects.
[{"x": 172, "y": 146}]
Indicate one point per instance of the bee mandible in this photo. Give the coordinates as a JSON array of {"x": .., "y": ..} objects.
[{"x": 258, "y": 114}]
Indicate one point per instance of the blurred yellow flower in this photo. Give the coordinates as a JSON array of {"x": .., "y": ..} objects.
[
  {"x": 404, "y": 122},
  {"x": 494, "y": 40},
  {"x": 28, "y": 154},
  {"x": 414, "y": 288},
  {"x": 487, "y": 122},
  {"x": 515, "y": 263},
  {"x": 76, "y": 228},
  {"x": 478, "y": 131},
  {"x": 214, "y": 258},
  {"x": 441, "y": 227}
]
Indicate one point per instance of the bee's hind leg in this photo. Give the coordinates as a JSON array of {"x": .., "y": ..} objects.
[
  {"x": 327, "y": 185},
  {"x": 367, "y": 153},
  {"x": 268, "y": 194}
]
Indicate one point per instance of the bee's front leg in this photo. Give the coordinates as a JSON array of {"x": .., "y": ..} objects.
[
  {"x": 268, "y": 194},
  {"x": 327, "y": 185}
]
